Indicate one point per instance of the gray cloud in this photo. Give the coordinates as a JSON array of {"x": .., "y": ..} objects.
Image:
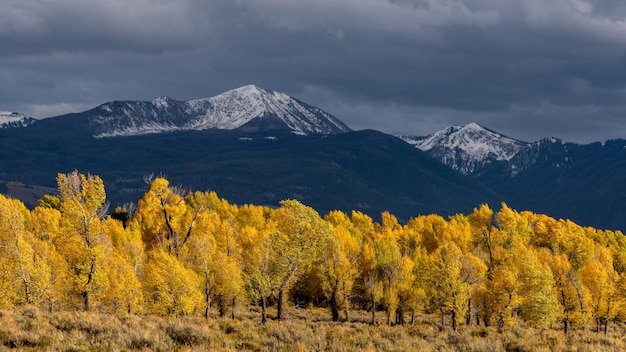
[{"x": 527, "y": 68}]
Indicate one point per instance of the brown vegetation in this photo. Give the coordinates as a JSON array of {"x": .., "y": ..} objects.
[{"x": 303, "y": 330}]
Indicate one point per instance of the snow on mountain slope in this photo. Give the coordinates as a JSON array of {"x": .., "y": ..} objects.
[
  {"x": 13, "y": 119},
  {"x": 468, "y": 148},
  {"x": 249, "y": 106}
]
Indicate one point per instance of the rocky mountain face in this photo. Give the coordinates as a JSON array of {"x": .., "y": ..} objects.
[
  {"x": 248, "y": 108},
  {"x": 467, "y": 149}
]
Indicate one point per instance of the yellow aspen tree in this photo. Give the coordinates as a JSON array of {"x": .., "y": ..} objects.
[
  {"x": 45, "y": 226},
  {"x": 256, "y": 229},
  {"x": 127, "y": 240},
  {"x": 370, "y": 279},
  {"x": 45, "y": 223},
  {"x": 389, "y": 261},
  {"x": 538, "y": 304},
  {"x": 484, "y": 235},
  {"x": 620, "y": 311},
  {"x": 227, "y": 263},
  {"x": 199, "y": 254},
  {"x": 169, "y": 288},
  {"x": 460, "y": 232},
  {"x": 206, "y": 240},
  {"x": 575, "y": 244},
  {"x": 447, "y": 292},
  {"x": 198, "y": 204},
  {"x": 512, "y": 226},
  {"x": 362, "y": 223},
  {"x": 484, "y": 243},
  {"x": 616, "y": 242},
  {"x": 521, "y": 285},
  {"x": 572, "y": 296},
  {"x": 415, "y": 297},
  {"x": 411, "y": 239},
  {"x": 25, "y": 274},
  {"x": 602, "y": 282},
  {"x": 432, "y": 230},
  {"x": 473, "y": 272},
  {"x": 122, "y": 266},
  {"x": 407, "y": 291},
  {"x": 546, "y": 232},
  {"x": 164, "y": 217},
  {"x": 84, "y": 244},
  {"x": 502, "y": 295},
  {"x": 337, "y": 263},
  {"x": 368, "y": 284},
  {"x": 49, "y": 201},
  {"x": 257, "y": 266},
  {"x": 300, "y": 232}
]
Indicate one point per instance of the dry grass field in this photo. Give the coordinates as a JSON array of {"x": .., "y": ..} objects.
[{"x": 304, "y": 330}]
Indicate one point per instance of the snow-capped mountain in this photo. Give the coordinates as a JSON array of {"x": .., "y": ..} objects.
[
  {"x": 14, "y": 119},
  {"x": 467, "y": 148},
  {"x": 248, "y": 108}
]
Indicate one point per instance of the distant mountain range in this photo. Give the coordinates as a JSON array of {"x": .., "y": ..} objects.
[
  {"x": 585, "y": 183},
  {"x": 14, "y": 119},
  {"x": 253, "y": 145}
]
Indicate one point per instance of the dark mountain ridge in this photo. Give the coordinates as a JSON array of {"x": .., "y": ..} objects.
[
  {"x": 257, "y": 146},
  {"x": 366, "y": 170}
]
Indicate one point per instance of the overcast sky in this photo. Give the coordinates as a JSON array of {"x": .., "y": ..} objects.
[{"x": 526, "y": 68}]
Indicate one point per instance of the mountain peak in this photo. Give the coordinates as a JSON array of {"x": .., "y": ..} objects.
[
  {"x": 473, "y": 126},
  {"x": 248, "y": 89},
  {"x": 249, "y": 108},
  {"x": 467, "y": 148}
]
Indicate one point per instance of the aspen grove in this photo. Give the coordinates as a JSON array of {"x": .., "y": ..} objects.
[{"x": 193, "y": 253}]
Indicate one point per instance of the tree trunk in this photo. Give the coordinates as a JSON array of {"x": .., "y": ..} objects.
[
  {"x": 279, "y": 304},
  {"x": 334, "y": 309},
  {"x": 399, "y": 316},
  {"x": 27, "y": 292},
  {"x": 442, "y": 321},
  {"x": 280, "y": 309},
  {"x": 565, "y": 326},
  {"x": 454, "y": 319},
  {"x": 233, "y": 304},
  {"x": 222, "y": 306},
  {"x": 86, "y": 290},
  {"x": 87, "y": 300},
  {"x": 263, "y": 310},
  {"x": 373, "y": 311},
  {"x": 346, "y": 303},
  {"x": 207, "y": 300},
  {"x": 468, "y": 318},
  {"x": 486, "y": 319},
  {"x": 608, "y": 311}
]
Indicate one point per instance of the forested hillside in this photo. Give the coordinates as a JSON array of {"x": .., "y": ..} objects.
[{"x": 196, "y": 254}]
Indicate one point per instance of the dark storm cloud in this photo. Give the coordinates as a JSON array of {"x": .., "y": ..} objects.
[{"x": 527, "y": 68}]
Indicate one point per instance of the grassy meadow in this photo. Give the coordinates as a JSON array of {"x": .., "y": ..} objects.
[{"x": 31, "y": 329}]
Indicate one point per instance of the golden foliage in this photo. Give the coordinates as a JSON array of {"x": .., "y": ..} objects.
[{"x": 185, "y": 254}]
